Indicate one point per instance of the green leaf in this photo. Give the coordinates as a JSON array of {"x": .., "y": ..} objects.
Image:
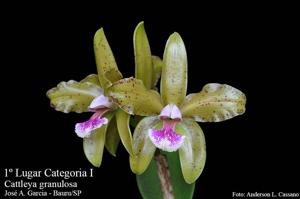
[
  {"x": 142, "y": 54},
  {"x": 143, "y": 149},
  {"x": 132, "y": 96},
  {"x": 156, "y": 70},
  {"x": 112, "y": 139},
  {"x": 174, "y": 71},
  {"x": 122, "y": 119},
  {"x": 73, "y": 96},
  {"x": 106, "y": 65},
  {"x": 94, "y": 144},
  {"x": 192, "y": 153},
  {"x": 182, "y": 190},
  {"x": 149, "y": 184},
  {"x": 215, "y": 103}
]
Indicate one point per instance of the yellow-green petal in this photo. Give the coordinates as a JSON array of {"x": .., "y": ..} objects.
[
  {"x": 112, "y": 139},
  {"x": 94, "y": 144},
  {"x": 143, "y": 149},
  {"x": 73, "y": 96},
  {"x": 156, "y": 70},
  {"x": 106, "y": 65},
  {"x": 174, "y": 71},
  {"x": 192, "y": 153},
  {"x": 215, "y": 103},
  {"x": 142, "y": 54},
  {"x": 122, "y": 119},
  {"x": 134, "y": 98}
]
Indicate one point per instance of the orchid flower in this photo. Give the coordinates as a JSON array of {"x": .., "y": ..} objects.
[
  {"x": 171, "y": 118},
  {"x": 108, "y": 124},
  {"x": 167, "y": 121}
]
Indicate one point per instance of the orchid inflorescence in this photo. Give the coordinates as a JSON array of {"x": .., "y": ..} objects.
[{"x": 166, "y": 121}]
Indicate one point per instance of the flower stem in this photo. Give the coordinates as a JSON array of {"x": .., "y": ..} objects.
[{"x": 164, "y": 176}]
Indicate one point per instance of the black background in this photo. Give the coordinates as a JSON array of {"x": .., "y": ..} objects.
[{"x": 249, "y": 49}]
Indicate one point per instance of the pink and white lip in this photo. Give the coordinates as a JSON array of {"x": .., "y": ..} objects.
[
  {"x": 99, "y": 106},
  {"x": 166, "y": 138}
]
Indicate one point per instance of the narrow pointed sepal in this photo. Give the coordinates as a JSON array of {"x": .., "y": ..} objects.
[
  {"x": 174, "y": 71},
  {"x": 112, "y": 139},
  {"x": 122, "y": 120},
  {"x": 156, "y": 70},
  {"x": 108, "y": 71},
  {"x": 142, "y": 54}
]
